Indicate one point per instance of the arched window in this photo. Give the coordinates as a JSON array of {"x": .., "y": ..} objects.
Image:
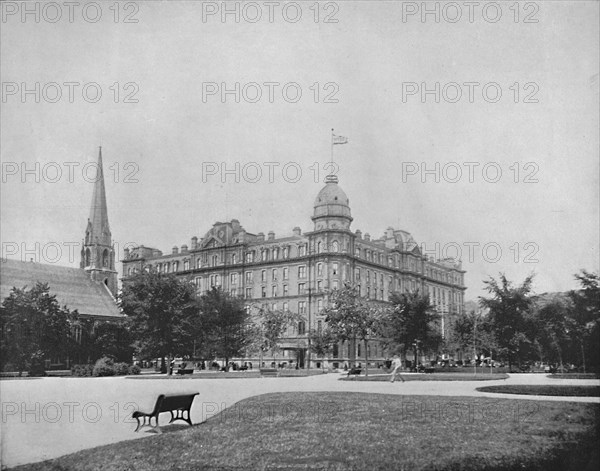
[
  {"x": 105, "y": 258},
  {"x": 88, "y": 256},
  {"x": 319, "y": 247},
  {"x": 233, "y": 260},
  {"x": 335, "y": 247}
]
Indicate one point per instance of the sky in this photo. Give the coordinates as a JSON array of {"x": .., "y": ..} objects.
[{"x": 477, "y": 133}]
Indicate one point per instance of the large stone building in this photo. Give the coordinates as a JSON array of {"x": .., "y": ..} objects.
[{"x": 296, "y": 271}]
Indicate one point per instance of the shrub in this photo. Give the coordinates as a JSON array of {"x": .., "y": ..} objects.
[
  {"x": 105, "y": 366},
  {"x": 82, "y": 370},
  {"x": 134, "y": 370},
  {"x": 121, "y": 369},
  {"x": 36, "y": 366}
]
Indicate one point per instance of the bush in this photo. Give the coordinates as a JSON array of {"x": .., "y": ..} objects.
[
  {"x": 121, "y": 369},
  {"x": 82, "y": 370},
  {"x": 134, "y": 370},
  {"x": 105, "y": 366},
  {"x": 36, "y": 366}
]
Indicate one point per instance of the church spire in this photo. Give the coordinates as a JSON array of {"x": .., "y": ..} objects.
[
  {"x": 98, "y": 228},
  {"x": 97, "y": 253}
]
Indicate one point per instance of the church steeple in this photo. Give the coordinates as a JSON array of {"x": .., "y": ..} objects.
[{"x": 97, "y": 254}]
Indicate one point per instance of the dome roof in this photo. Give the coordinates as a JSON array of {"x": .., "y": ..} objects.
[{"x": 331, "y": 193}]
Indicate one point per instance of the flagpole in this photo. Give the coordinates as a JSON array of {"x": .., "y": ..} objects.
[{"x": 331, "y": 145}]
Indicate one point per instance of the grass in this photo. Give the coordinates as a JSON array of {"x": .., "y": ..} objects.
[
  {"x": 358, "y": 431},
  {"x": 544, "y": 390},
  {"x": 430, "y": 377},
  {"x": 574, "y": 376}
]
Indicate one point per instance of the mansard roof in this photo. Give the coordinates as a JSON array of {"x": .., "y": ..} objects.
[{"x": 72, "y": 286}]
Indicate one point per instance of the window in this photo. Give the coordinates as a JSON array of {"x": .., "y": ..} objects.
[
  {"x": 285, "y": 273},
  {"x": 301, "y": 288},
  {"x": 248, "y": 292},
  {"x": 381, "y": 279},
  {"x": 302, "y": 250},
  {"x": 198, "y": 281},
  {"x": 302, "y": 271},
  {"x": 233, "y": 292},
  {"x": 249, "y": 257},
  {"x": 215, "y": 280},
  {"x": 129, "y": 270},
  {"x": 301, "y": 327},
  {"x": 105, "y": 258},
  {"x": 357, "y": 274},
  {"x": 319, "y": 269},
  {"x": 302, "y": 307},
  {"x": 274, "y": 306},
  {"x": 263, "y": 276},
  {"x": 286, "y": 252},
  {"x": 263, "y": 291},
  {"x": 264, "y": 254},
  {"x": 368, "y": 276},
  {"x": 275, "y": 253},
  {"x": 285, "y": 306},
  {"x": 175, "y": 266},
  {"x": 233, "y": 259},
  {"x": 319, "y": 326},
  {"x": 198, "y": 263},
  {"x": 234, "y": 278},
  {"x": 274, "y": 274},
  {"x": 159, "y": 267},
  {"x": 335, "y": 247},
  {"x": 248, "y": 277},
  {"x": 166, "y": 267},
  {"x": 186, "y": 264},
  {"x": 319, "y": 305},
  {"x": 285, "y": 290},
  {"x": 274, "y": 291},
  {"x": 336, "y": 284},
  {"x": 319, "y": 286},
  {"x": 335, "y": 268},
  {"x": 357, "y": 252},
  {"x": 368, "y": 292},
  {"x": 215, "y": 260}
]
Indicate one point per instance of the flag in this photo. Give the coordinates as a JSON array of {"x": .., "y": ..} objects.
[{"x": 339, "y": 140}]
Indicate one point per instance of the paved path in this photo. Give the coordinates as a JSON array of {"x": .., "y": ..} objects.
[{"x": 50, "y": 417}]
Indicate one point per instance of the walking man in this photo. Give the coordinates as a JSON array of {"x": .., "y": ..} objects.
[{"x": 396, "y": 364}]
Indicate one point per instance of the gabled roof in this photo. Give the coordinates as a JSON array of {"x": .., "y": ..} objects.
[{"x": 72, "y": 286}]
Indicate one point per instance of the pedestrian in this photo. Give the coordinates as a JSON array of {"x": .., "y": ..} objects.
[{"x": 396, "y": 365}]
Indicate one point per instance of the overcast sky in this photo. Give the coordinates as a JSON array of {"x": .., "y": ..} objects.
[{"x": 170, "y": 131}]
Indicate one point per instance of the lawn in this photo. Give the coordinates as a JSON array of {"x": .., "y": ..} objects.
[
  {"x": 429, "y": 377},
  {"x": 574, "y": 376},
  {"x": 544, "y": 390},
  {"x": 358, "y": 431}
]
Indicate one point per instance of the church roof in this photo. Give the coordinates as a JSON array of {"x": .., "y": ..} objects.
[
  {"x": 98, "y": 228},
  {"x": 72, "y": 286}
]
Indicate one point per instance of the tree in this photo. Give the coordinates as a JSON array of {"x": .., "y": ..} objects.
[
  {"x": 322, "y": 341},
  {"x": 586, "y": 317},
  {"x": 226, "y": 326},
  {"x": 412, "y": 321},
  {"x": 34, "y": 328},
  {"x": 162, "y": 314},
  {"x": 351, "y": 317},
  {"x": 510, "y": 323},
  {"x": 271, "y": 326}
]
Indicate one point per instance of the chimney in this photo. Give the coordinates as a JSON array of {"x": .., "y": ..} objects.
[
  {"x": 271, "y": 235},
  {"x": 297, "y": 231},
  {"x": 175, "y": 250},
  {"x": 261, "y": 236},
  {"x": 358, "y": 234},
  {"x": 126, "y": 253},
  {"x": 194, "y": 243},
  {"x": 367, "y": 237},
  {"x": 184, "y": 248}
]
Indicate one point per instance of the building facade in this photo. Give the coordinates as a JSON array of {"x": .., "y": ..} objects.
[{"x": 295, "y": 272}]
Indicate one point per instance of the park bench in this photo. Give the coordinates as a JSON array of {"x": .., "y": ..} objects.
[
  {"x": 176, "y": 403},
  {"x": 185, "y": 371},
  {"x": 354, "y": 371},
  {"x": 268, "y": 372}
]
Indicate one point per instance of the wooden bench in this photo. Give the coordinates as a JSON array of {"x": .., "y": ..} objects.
[
  {"x": 185, "y": 371},
  {"x": 178, "y": 404},
  {"x": 268, "y": 372},
  {"x": 354, "y": 371}
]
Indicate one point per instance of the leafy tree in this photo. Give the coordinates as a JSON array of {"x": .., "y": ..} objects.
[
  {"x": 586, "y": 318},
  {"x": 271, "y": 325},
  {"x": 162, "y": 314},
  {"x": 413, "y": 322},
  {"x": 112, "y": 339},
  {"x": 351, "y": 317},
  {"x": 34, "y": 328},
  {"x": 553, "y": 325},
  {"x": 226, "y": 327},
  {"x": 509, "y": 318},
  {"x": 322, "y": 341},
  {"x": 461, "y": 331}
]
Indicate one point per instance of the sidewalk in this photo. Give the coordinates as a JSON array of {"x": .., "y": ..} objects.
[{"x": 50, "y": 417}]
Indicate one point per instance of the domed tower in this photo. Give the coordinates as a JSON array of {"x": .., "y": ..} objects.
[{"x": 332, "y": 207}]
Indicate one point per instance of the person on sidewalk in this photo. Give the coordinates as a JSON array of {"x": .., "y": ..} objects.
[{"x": 396, "y": 365}]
